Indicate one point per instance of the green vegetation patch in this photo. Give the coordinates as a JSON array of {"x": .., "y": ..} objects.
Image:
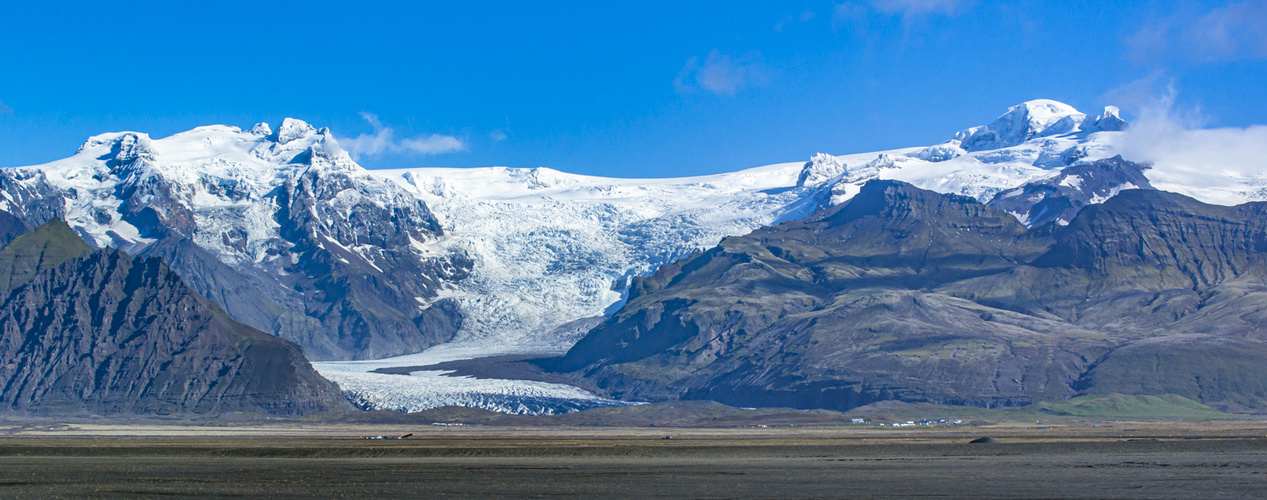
[
  {"x": 46, "y": 247},
  {"x": 1122, "y": 406}
]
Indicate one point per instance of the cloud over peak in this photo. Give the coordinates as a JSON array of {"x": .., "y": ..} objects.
[
  {"x": 383, "y": 140},
  {"x": 1174, "y": 141}
]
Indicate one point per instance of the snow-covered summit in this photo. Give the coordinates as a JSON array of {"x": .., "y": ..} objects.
[
  {"x": 258, "y": 220},
  {"x": 199, "y": 171},
  {"x": 1034, "y": 119},
  {"x": 1025, "y": 121}
]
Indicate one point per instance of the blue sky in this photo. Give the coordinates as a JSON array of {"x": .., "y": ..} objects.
[{"x": 640, "y": 89}]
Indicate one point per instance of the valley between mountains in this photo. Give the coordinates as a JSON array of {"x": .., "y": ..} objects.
[{"x": 227, "y": 270}]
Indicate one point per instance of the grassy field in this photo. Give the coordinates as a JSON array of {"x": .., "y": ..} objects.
[{"x": 1085, "y": 408}]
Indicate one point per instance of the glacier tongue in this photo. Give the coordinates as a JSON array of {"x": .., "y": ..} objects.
[{"x": 424, "y": 390}]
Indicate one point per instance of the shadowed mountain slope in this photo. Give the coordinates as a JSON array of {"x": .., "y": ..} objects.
[
  {"x": 102, "y": 333},
  {"x": 907, "y": 294}
]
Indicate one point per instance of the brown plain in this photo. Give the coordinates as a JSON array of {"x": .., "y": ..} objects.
[{"x": 1115, "y": 460}]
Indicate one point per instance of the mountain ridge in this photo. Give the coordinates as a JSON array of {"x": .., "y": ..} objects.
[{"x": 898, "y": 294}]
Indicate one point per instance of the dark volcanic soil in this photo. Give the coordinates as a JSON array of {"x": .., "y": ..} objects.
[{"x": 631, "y": 467}]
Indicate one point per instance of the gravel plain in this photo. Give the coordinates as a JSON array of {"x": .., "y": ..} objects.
[{"x": 1125, "y": 460}]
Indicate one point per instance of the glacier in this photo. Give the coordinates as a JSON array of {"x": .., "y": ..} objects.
[
  {"x": 551, "y": 253},
  {"x": 554, "y": 251}
]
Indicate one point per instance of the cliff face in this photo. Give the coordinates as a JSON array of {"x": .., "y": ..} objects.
[
  {"x": 101, "y": 333},
  {"x": 906, "y": 294}
]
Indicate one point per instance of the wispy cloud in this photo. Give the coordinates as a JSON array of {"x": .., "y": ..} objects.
[
  {"x": 1231, "y": 32},
  {"x": 857, "y": 14},
  {"x": 5, "y": 109},
  {"x": 806, "y": 15},
  {"x": 383, "y": 140},
  {"x": 916, "y": 7},
  {"x": 1142, "y": 93},
  {"x": 1184, "y": 152},
  {"x": 721, "y": 74}
]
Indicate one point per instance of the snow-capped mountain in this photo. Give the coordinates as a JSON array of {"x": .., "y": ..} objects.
[
  {"x": 1036, "y": 119},
  {"x": 282, "y": 229},
  {"x": 551, "y": 248},
  {"x": 287, "y": 233},
  {"x": 553, "y": 251}
]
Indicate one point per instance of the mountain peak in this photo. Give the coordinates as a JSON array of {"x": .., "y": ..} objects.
[
  {"x": 1022, "y": 122},
  {"x": 261, "y": 129},
  {"x": 819, "y": 169},
  {"x": 1109, "y": 121},
  {"x": 1034, "y": 119},
  {"x": 291, "y": 129},
  {"x": 134, "y": 142}
]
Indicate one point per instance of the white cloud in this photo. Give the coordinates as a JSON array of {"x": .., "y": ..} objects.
[
  {"x": 1228, "y": 33},
  {"x": 432, "y": 144},
  {"x": 1184, "y": 153},
  {"x": 721, "y": 74},
  {"x": 383, "y": 141},
  {"x": 916, "y": 7}
]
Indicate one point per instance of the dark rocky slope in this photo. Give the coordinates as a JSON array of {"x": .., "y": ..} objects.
[
  {"x": 1059, "y": 198},
  {"x": 102, "y": 333},
  {"x": 906, "y": 294}
]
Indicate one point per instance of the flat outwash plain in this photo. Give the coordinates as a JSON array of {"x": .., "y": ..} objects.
[{"x": 1115, "y": 460}]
